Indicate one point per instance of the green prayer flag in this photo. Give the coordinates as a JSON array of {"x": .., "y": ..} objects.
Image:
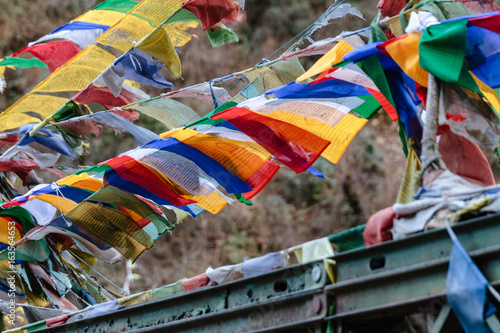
[
  {"x": 206, "y": 119},
  {"x": 368, "y": 108},
  {"x": 95, "y": 168},
  {"x": 221, "y": 35},
  {"x": 442, "y": 50},
  {"x": 67, "y": 111},
  {"x": 20, "y": 215},
  {"x": 376, "y": 34},
  {"x": 22, "y": 63},
  {"x": 33, "y": 250},
  {"x": 122, "y": 6},
  {"x": 182, "y": 15},
  {"x": 242, "y": 199},
  {"x": 373, "y": 68}
]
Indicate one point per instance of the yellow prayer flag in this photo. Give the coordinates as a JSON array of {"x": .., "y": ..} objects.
[
  {"x": 177, "y": 32},
  {"x": 4, "y": 231},
  {"x": 404, "y": 51},
  {"x": 71, "y": 79},
  {"x": 82, "y": 181},
  {"x": 105, "y": 17},
  {"x": 340, "y": 135},
  {"x": 157, "y": 11},
  {"x": 488, "y": 92},
  {"x": 411, "y": 177},
  {"x": 158, "y": 44},
  {"x": 122, "y": 35},
  {"x": 113, "y": 227},
  {"x": 212, "y": 203},
  {"x": 325, "y": 62},
  {"x": 241, "y": 158},
  {"x": 58, "y": 201},
  {"x": 30, "y": 109}
]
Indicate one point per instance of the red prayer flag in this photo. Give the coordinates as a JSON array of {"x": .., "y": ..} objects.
[
  {"x": 102, "y": 95},
  {"x": 8, "y": 140},
  {"x": 212, "y": 12},
  {"x": 82, "y": 126},
  {"x": 490, "y": 22},
  {"x": 53, "y": 54},
  {"x": 19, "y": 167},
  {"x": 260, "y": 178},
  {"x": 130, "y": 169},
  {"x": 291, "y": 145}
]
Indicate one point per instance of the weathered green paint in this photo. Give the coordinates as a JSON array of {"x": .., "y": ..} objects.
[{"x": 372, "y": 285}]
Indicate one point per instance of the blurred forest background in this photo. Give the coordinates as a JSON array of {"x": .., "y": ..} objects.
[{"x": 292, "y": 209}]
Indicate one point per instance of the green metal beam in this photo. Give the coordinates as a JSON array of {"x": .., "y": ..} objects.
[
  {"x": 372, "y": 285},
  {"x": 278, "y": 301},
  {"x": 409, "y": 273}
]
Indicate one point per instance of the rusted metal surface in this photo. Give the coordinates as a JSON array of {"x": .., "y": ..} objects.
[
  {"x": 276, "y": 301},
  {"x": 408, "y": 275}
]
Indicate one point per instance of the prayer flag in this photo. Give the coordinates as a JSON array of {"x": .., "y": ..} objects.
[
  {"x": 158, "y": 44},
  {"x": 293, "y": 146},
  {"x": 212, "y": 12},
  {"x": 79, "y": 32},
  {"x": 53, "y": 54}
]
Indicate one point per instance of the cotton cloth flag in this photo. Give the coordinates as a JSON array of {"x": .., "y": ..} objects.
[
  {"x": 474, "y": 59},
  {"x": 86, "y": 241},
  {"x": 404, "y": 51},
  {"x": 212, "y": 167},
  {"x": 353, "y": 73},
  {"x": 397, "y": 90},
  {"x": 159, "y": 45},
  {"x": 53, "y": 54},
  {"x": 103, "y": 95},
  {"x": 367, "y": 59},
  {"x": 118, "y": 123},
  {"x": 21, "y": 167},
  {"x": 190, "y": 184},
  {"x": 241, "y": 158},
  {"x": 329, "y": 121},
  {"x": 266, "y": 263},
  {"x": 22, "y": 63},
  {"x": 79, "y": 32},
  {"x": 293, "y": 146},
  {"x": 221, "y": 35},
  {"x": 136, "y": 220},
  {"x": 171, "y": 113},
  {"x": 327, "y": 86},
  {"x": 213, "y": 12},
  {"x": 466, "y": 289},
  {"x": 46, "y": 138},
  {"x": 141, "y": 67},
  {"x": 326, "y": 62},
  {"x": 113, "y": 227},
  {"x": 129, "y": 175},
  {"x": 466, "y": 112},
  {"x": 235, "y": 151}
]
